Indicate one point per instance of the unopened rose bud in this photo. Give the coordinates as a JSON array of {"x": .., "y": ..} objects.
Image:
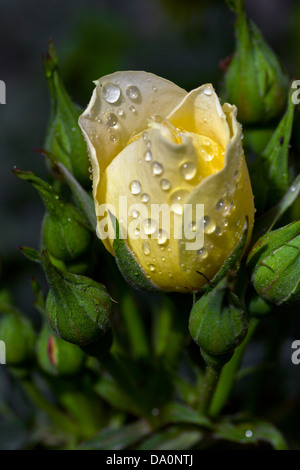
[
  {"x": 218, "y": 324},
  {"x": 57, "y": 357},
  {"x": 159, "y": 148},
  {"x": 254, "y": 80},
  {"x": 274, "y": 264},
  {"x": 78, "y": 308},
  {"x": 65, "y": 232}
]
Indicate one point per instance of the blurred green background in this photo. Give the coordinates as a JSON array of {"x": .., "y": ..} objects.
[{"x": 181, "y": 41}]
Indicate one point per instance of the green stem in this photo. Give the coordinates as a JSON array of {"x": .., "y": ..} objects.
[
  {"x": 208, "y": 388},
  {"x": 229, "y": 372}
]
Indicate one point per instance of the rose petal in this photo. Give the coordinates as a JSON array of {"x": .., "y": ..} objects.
[
  {"x": 161, "y": 179},
  {"x": 227, "y": 198},
  {"x": 200, "y": 112},
  {"x": 120, "y": 106}
]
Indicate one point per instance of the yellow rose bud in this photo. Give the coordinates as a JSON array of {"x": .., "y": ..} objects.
[{"x": 175, "y": 161}]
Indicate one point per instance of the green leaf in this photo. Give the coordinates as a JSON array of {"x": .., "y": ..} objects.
[
  {"x": 117, "y": 439},
  {"x": 109, "y": 390},
  {"x": 173, "y": 438},
  {"x": 252, "y": 432},
  {"x": 178, "y": 413}
]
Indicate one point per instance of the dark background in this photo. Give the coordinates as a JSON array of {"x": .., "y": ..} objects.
[{"x": 183, "y": 41}]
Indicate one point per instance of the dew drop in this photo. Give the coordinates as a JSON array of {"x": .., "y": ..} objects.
[
  {"x": 135, "y": 187},
  {"x": 207, "y": 91},
  {"x": 207, "y": 152},
  {"x": 135, "y": 214},
  {"x": 148, "y": 156},
  {"x": 113, "y": 138},
  {"x": 132, "y": 108},
  {"x": 149, "y": 226},
  {"x": 157, "y": 168},
  {"x": 209, "y": 225},
  {"x": 165, "y": 184},
  {"x": 220, "y": 204},
  {"x": 162, "y": 237},
  {"x": 111, "y": 120},
  {"x": 146, "y": 248},
  {"x": 202, "y": 253},
  {"x": 152, "y": 267},
  {"x": 188, "y": 170},
  {"x": 145, "y": 197},
  {"x": 176, "y": 200},
  {"x": 111, "y": 93},
  {"x": 133, "y": 92},
  {"x": 120, "y": 112}
]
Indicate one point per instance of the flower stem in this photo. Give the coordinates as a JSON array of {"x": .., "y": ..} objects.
[
  {"x": 208, "y": 388},
  {"x": 229, "y": 372}
]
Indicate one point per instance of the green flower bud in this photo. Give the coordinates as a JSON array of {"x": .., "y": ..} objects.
[
  {"x": 57, "y": 357},
  {"x": 254, "y": 80},
  {"x": 218, "y": 324},
  {"x": 64, "y": 138},
  {"x": 78, "y": 308},
  {"x": 65, "y": 233},
  {"x": 274, "y": 263},
  {"x": 19, "y": 337}
]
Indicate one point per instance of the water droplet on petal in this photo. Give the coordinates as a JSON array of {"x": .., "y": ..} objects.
[
  {"x": 135, "y": 214},
  {"x": 202, "y": 253},
  {"x": 220, "y": 204},
  {"x": 135, "y": 187},
  {"x": 148, "y": 156},
  {"x": 146, "y": 248},
  {"x": 157, "y": 168},
  {"x": 149, "y": 226},
  {"x": 207, "y": 91},
  {"x": 111, "y": 93},
  {"x": 145, "y": 197},
  {"x": 133, "y": 92},
  {"x": 132, "y": 108},
  {"x": 188, "y": 170},
  {"x": 207, "y": 152},
  {"x": 120, "y": 112},
  {"x": 162, "y": 237},
  {"x": 209, "y": 225},
  {"x": 177, "y": 200},
  {"x": 152, "y": 267},
  {"x": 165, "y": 184},
  {"x": 111, "y": 120}
]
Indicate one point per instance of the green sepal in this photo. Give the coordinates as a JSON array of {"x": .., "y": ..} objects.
[
  {"x": 127, "y": 263},
  {"x": 274, "y": 263},
  {"x": 254, "y": 80},
  {"x": 270, "y": 173},
  {"x": 218, "y": 323},
  {"x": 79, "y": 309},
  {"x": 64, "y": 138}
]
